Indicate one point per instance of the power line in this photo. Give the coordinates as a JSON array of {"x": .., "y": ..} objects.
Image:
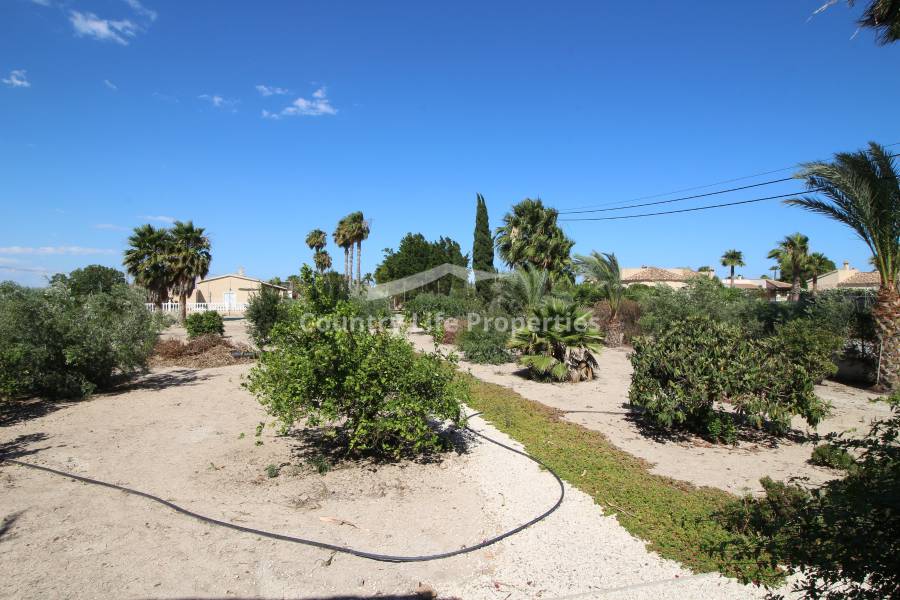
[
  {"x": 684, "y": 210},
  {"x": 576, "y": 209},
  {"x": 735, "y": 189}
]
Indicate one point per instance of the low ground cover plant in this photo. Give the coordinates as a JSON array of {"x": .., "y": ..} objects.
[
  {"x": 379, "y": 394},
  {"x": 484, "y": 344},
  {"x": 835, "y": 457},
  {"x": 57, "y": 344},
  {"x": 843, "y": 537},
  {"x": 685, "y": 375},
  {"x": 204, "y": 323}
]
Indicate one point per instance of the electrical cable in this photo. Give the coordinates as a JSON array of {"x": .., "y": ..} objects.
[
  {"x": 316, "y": 543},
  {"x": 696, "y": 208}
]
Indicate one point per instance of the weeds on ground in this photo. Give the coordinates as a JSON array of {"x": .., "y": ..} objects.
[{"x": 675, "y": 518}]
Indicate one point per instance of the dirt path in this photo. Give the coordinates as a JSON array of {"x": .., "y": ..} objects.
[
  {"x": 602, "y": 405},
  {"x": 188, "y": 436}
]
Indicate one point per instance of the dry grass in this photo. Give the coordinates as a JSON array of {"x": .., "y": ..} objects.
[{"x": 202, "y": 352}]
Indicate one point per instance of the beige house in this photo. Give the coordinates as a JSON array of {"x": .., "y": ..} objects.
[
  {"x": 232, "y": 290},
  {"x": 773, "y": 289},
  {"x": 674, "y": 278},
  {"x": 847, "y": 278}
]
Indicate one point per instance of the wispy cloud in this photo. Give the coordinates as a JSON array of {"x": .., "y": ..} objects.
[
  {"x": 90, "y": 25},
  {"x": 141, "y": 10},
  {"x": 159, "y": 218},
  {"x": 110, "y": 227},
  {"x": 317, "y": 106},
  {"x": 165, "y": 98},
  {"x": 17, "y": 79},
  {"x": 76, "y": 250},
  {"x": 220, "y": 101},
  {"x": 40, "y": 270},
  {"x": 268, "y": 90},
  {"x": 41, "y": 2},
  {"x": 110, "y": 85}
]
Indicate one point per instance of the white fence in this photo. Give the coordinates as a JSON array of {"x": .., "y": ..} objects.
[{"x": 220, "y": 307}]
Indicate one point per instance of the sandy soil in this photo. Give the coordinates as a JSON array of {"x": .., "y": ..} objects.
[
  {"x": 188, "y": 436},
  {"x": 602, "y": 405}
]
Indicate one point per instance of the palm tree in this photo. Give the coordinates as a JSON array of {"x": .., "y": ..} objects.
[
  {"x": 358, "y": 229},
  {"x": 881, "y": 15},
  {"x": 342, "y": 238},
  {"x": 816, "y": 264},
  {"x": 793, "y": 251},
  {"x": 603, "y": 270},
  {"x": 530, "y": 235},
  {"x": 861, "y": 190},
  {"x": 316, "y": 239},
  {"x": 189, "y": 259},
  {"x": 146, "y": 260},
  {"x": 322, "y": 260},
  {"x": 523, "y": 290},
  {"x": 733, "y": 258},
  {"x": 774, "y": 269}
]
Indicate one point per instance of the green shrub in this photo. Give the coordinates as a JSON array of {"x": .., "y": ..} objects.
[
  {"x": 56, "y": 344},
  {"x": 202, "y": 323},
  {"x": 454, "y": 305},
  {"x": 835, "y": 457},
  {"x": 372, "y": 385},
  {"x": 264, "y": 310},
  {"x": 843, "y": 538},
  {"x": 484, "y": 344},
  {"x": 684, "y": 375},
  {"x": 806, "y": 344}
]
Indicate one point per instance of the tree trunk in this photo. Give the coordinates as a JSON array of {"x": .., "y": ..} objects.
[
  {"x": 815, "y": 282},
  {"x": 350, "y": 270},
  {"x": 358, "y": 262},
  {"x": 795, "y": 287},
  {"x": 346, "y": 261},
  {"x": 886, "y": 313},
  {"x": 732, "y": 275},
  {"x": 182, "y": 306},
  {"x": 614, "y": 332}
]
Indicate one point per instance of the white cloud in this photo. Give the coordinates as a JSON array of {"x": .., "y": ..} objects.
[
  {"x": 141, "y": 10},
  {"x": 268, "y": 90},
  {"x": 319, "y": 105},
  {"x": 110, "y": 227},
  {"x": 42, "y": 2},
  {"x": 17, "y": 79},
  {"x": 219, "y": 101},
  {"x": 90, "y": 25},
  {"x": 160, "y": 218},
  {"x": 110, "y": 85},
  {"x": 77, "y": 250},
  {"x": 165, "y": 98},
  {"x": 25, "y": 269}
]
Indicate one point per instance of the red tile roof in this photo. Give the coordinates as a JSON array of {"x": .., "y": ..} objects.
[{"x": 862, "y": 279}]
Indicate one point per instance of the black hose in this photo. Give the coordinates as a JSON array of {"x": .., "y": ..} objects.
[{"x": 325, "y": 545}]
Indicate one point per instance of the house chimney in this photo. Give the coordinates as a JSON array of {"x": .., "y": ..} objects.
[
  {"x": 846, "y": 265},
  {"x": 241, "y": 270}
]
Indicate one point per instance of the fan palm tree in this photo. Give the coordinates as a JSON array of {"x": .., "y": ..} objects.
[
  {"x": 523, "y": 290},
  {"x": 530, "y": 235},
  {"x": 358, "y": 229},
  {"x": 816, "y": 264},
  {"x": 322, "y": 260},
  {"x": 316, "y": 239},
  {"x": 189, "y": 259},
  {"x": 342, "y": 238},
  {"x": 603, "y": 270},
  {"x": 861, "y": 190},
  {"x": 732, "y": 259},
  {"x": 881, "y": 15},
  {"x": 147, "y": 261},
  {"x": 559, "y": 342},
  {"x": 793, "y": 251}
]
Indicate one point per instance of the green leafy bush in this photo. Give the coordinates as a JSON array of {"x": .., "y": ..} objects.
[
  {"x": 843, "y": 538},
  {"x": 264, "y": 310},
  {"x": 202, "y": 323},
  {"x": 835, "y": 457},
  {"x": 685, "y": 374},
  {"x": 484, "y": 344},
  {"x": 56, "y": 344},
  {"x": 454, "y": 305},
  {"x": 806, "y": 344},
  {"x": 371, "y": 384}
]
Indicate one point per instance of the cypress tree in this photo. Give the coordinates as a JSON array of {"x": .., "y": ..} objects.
[{"x": 483, "y": 247}]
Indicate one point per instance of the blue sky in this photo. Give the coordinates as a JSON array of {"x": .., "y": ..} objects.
[{"x": 115, "y": 111}]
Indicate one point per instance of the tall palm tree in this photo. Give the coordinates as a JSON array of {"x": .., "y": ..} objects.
[
  {"x": 793, "y": 250},
  {"x": 189, "y": 258},
  {"x": 322, "y": 260},
  {"x": 733, "y": 258},
  {"x": 358, "y": 229},
  {"x": 316, "y": 239},
  {"x": 816, "y": 264},
  {"x": 603, "y": 270},
  {"x": 342, "y": 238},
  {"x": 861, "y": 190},
  {"x": 530, "y": 235},
  {"x": 774, "y": 269},
  {"x": 147, "y": 261}
]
